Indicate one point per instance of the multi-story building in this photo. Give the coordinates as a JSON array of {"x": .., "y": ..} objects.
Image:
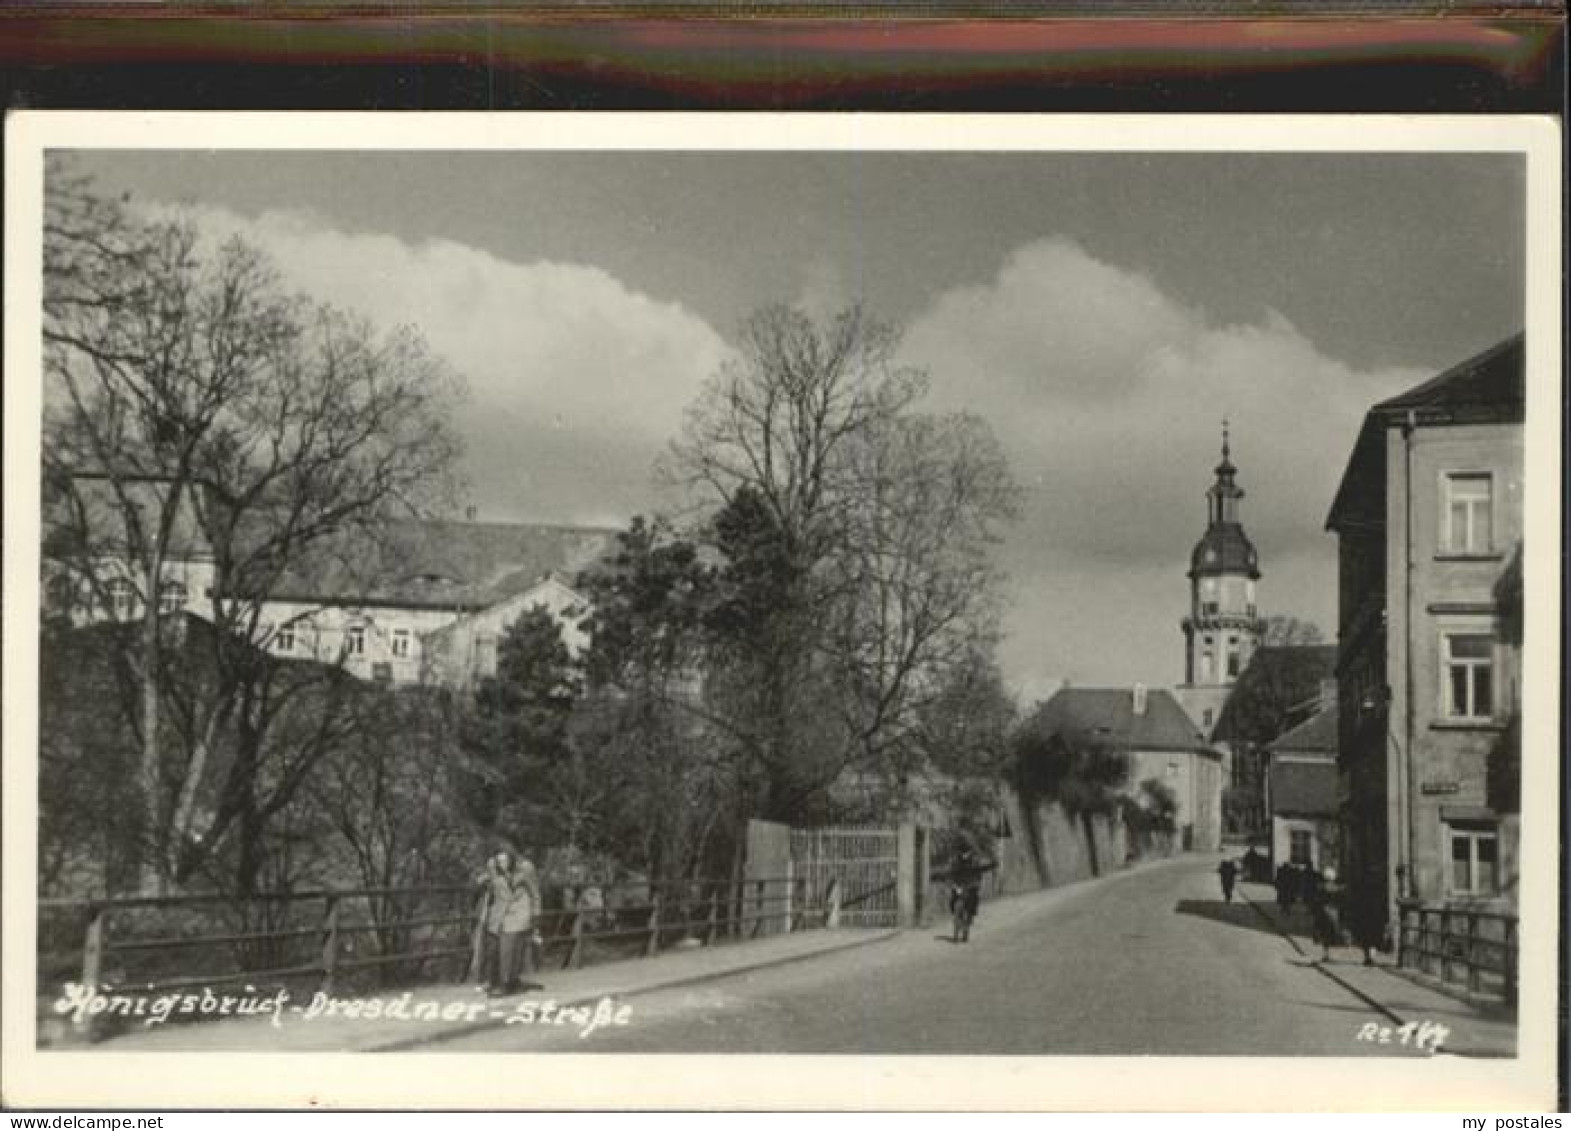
[
  {"x": 1161, "y": 742},
  {"x": 1428, "y": 514},
  {"x": 403, "y": 602}
]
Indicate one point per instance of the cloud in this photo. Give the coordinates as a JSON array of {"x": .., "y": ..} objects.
[
  {"x": 575, "y": 381},
  {"x": 1108, "y": 395}
]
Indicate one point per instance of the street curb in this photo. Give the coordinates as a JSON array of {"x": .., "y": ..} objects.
[
  {"x": 1382, "y": 1009},
  {"x": 405, "y": 1044},
  {"x": 1378, "y": 1006}
]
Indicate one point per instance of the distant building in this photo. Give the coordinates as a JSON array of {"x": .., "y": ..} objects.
[
  {"x": 1161, "y": 742},
  {"x": 1301, "y": 792},
  {"x": 400, "y": 601},
  {"x": 1222, "y": 627},
  {"x": 1428, "y": 514},
  {"x": 1283, "y": 686}
]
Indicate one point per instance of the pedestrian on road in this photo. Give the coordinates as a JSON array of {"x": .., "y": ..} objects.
[
  {"x": 513, "y": 896},
  {"x": 1286, "y": 887},
  {"x": 1308, "y": 885},
  {"x": 1229, "y": 873},
  {"x": 1322, "y": 919},
  {"x": 1366, "y": 918}
]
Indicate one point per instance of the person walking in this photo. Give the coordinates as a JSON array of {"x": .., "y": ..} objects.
[
  {"x": 1366, "y": 918},
  {"x": 1229, "y": 873},
  {"x": 512, "y": 898},
  {"x": 1286, "y": 883},
  {"x": 1322, "y": 918}
]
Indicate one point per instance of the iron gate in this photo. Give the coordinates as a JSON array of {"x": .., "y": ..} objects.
[{"x": 864, "y": 863}]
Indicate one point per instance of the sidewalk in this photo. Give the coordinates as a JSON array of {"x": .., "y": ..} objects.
[
  {"x": 1475, "y": 1030},
  {"x": 307, "y": 1025}
]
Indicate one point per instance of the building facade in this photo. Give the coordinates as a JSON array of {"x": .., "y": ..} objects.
[
  {"x": 1301, "y": 793},
  {"x": 1428, "y": 514},
  {"x": 1161, "y": 743},
  {"x": 403, "y": 602}
]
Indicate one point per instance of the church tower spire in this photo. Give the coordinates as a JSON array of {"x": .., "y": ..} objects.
[{"x": 1222, "y": 629}]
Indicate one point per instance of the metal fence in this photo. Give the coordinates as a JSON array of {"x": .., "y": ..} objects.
[
  {"x": 858, "y": 868},
  {"x": 1460, "y": 947}
]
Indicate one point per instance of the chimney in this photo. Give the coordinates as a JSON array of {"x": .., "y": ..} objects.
[{"x": 1140, "y": 698}]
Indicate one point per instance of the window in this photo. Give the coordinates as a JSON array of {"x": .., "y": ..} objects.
[
  {"x": 1207, "y": 665},
  {"x": 1300, "y": 849},
  {"x": 1469, "y": 671},
  {"x": 1473, "y": 857},
  {"x": 1232, "y": 657},
  {"x": 354, "y": 640},
  {"x": 284, "y": 639},
  {"x": 485, "y": 653},
  {"x": 1469, "y": 512},
  {"x": 171, "y": 597},
  {"x": 400, "y": 644},
  {"x": 1207, "y": 718},
  {"x": 122, "y": 598},
  {"x": 1208, "y": 608}
]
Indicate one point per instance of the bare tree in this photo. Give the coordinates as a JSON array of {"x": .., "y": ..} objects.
[
  {"x": 857, "y": 534},
  {"x": 191, "y": 399},
  {"x": 918, "y": 590}
]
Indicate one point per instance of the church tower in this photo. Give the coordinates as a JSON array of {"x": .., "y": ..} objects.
[{"x": 1222, "y": 629}]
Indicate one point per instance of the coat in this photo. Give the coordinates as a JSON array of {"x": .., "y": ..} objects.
[{"x": 512, "y": 899}]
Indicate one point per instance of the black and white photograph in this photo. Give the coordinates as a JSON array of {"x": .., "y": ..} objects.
[{"x": 1041, "y": 604}]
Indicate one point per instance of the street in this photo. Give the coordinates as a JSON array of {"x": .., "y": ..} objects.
[{"x": 1147, "y": 962}]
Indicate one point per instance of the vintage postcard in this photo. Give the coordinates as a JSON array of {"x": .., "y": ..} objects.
[{"x": 781, "y": 611}]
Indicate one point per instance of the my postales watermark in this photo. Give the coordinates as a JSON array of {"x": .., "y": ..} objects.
[{"x": 83, "y": 1003}]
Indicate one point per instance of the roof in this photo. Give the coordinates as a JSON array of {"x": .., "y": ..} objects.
[
  {"x": 1489, "y": 387},
  {"x": 1224, "y": 548},
  {"x": 1495, "y": 379},
  {"x": 89, "y": 513},
  {"x": 442, "y": 563},
  {"x": 1107, "y": 713},
  {"x": 1305, "y": 789},
  {"x": 1315, "y": 735},
  {"x": 1277, "y": 678}
]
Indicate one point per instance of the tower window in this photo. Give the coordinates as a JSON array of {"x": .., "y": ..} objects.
[
  {"x": 1209, "y": 608},
  {"x": 1233, "y": 660}
]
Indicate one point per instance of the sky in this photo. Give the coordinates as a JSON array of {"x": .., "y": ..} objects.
[{"x": 1102, "y": 312}]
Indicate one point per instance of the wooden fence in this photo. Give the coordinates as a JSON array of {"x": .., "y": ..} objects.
[{"x": 371, "y": 938}]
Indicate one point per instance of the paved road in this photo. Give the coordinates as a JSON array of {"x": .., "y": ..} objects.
[{"x": 1150, "y": 961}]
